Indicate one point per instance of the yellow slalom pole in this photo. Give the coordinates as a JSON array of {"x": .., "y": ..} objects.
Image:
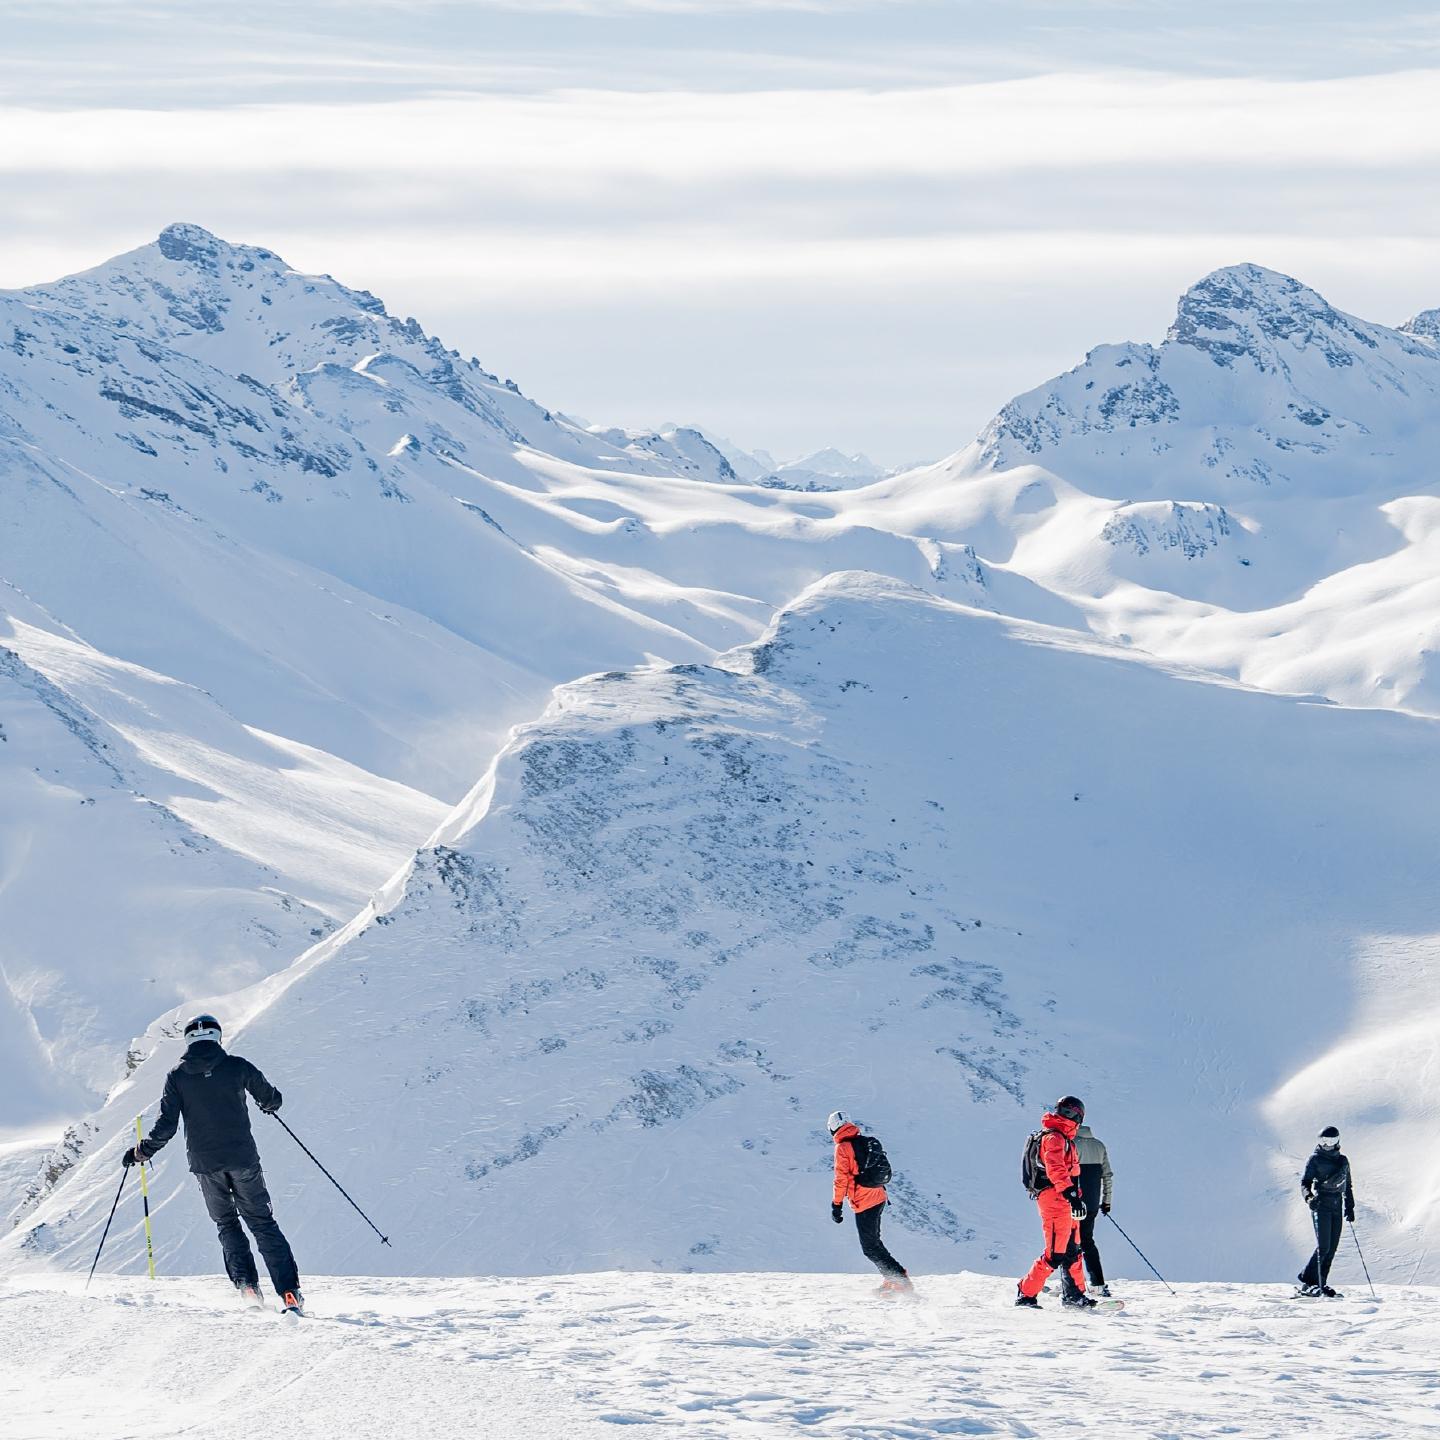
[{"x": 145, "y": 1197}]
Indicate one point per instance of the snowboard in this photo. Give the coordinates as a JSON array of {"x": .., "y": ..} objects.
[{"x": 1106, "y": 1307}]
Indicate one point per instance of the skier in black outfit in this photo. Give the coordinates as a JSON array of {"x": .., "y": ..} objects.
[
  {"x": 1330, "y": 1194},
  {"x": 1097, "y": 1190},
  {"x": 208, "y": 1088}
]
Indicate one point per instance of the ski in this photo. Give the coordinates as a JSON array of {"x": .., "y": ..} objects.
[{"x": 1100, "y": 1307}]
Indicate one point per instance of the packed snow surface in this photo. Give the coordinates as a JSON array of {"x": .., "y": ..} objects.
[{"x": 709, "y": 1357}]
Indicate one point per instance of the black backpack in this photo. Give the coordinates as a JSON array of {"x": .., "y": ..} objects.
[
  {"x": 871, "y": 1160},
  {"x": 1032, "y": 1169}
]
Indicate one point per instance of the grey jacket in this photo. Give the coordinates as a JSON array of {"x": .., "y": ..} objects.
[{"x": 1094, "y": 1154}]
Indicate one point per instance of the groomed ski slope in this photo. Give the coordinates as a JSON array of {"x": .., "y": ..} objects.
[{"x": 707, "y": 1356}]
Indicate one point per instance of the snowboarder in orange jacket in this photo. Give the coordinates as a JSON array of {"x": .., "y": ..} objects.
[
  {"x": 867, "y": 1201},
  {"x": 1061, "y": 1207}
]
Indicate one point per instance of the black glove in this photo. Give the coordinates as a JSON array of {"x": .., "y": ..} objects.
[
  {"x": 132, "y": 1157},
  {"x": 837, "y": 1214},
  {"x": 272, "y": 1107},
  {"x": 1077, "y": 1205},
  {"x": 1350, "y": 1216},
  {"x": 1312, "y": 1200},
  {"x": 1104, "y": 1207}
]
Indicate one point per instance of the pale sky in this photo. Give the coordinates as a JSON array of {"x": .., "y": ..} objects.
[{"x": 860, "y": 224}]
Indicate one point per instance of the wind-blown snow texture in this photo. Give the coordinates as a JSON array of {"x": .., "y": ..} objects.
[
  {"x": 927, "y": 850},
  {"x": 710, "y": 1357}
]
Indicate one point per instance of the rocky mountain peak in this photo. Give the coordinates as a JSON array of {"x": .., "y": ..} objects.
[
  {"x": 1425, "y": 325},
  {"x": 1248, "y": 312}
]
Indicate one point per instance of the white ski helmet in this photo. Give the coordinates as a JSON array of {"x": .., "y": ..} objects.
[
  {"x": 836, "y": 1120},
  {"x": 202, "y": 1027},
  {"x": 1329, "y": 1138}
]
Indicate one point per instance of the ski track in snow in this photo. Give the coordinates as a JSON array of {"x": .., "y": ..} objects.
[{"x": 750, "y": 1354}]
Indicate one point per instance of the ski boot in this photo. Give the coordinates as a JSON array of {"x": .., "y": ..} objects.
[
  {"x": 294, "y": 1303},
  {"x": 249, "y": 1293},
  {"x": 1079, "y": 1301},
  {"x": 1104, "y": 1292},
  {"x": 1330, "y": 1294},
  {"x": 1309, "y": 1292},
  {"x": 1027, "y": 1302}
]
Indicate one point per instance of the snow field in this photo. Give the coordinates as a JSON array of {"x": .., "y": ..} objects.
[{"x": 709, "y": 1356}]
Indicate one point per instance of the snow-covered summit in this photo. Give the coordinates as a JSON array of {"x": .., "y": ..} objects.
[
  {"x": 1426, "y": 325},
  {"x": 1259, "y": 383},
  {"x": 1246, "y": 312}
]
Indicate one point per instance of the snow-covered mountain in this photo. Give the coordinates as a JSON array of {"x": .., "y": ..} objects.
[
  {"x": 282, "y": 572},
  {"x": 826, "y": 469},
  {"x": 262, "y": 494},
  {"x": 902, "y": 856}
]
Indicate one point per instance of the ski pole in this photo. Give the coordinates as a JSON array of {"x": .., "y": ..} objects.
[
  {"x": 1356, "y": 1238},
  {"x": 384, "y": 1240},
  {"x": 124, "y": 1176},
  {"x": 1139, "y": 1252},
  {"x": 145, "y": 1197}
]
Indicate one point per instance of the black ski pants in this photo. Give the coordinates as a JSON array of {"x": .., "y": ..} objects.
[
  {"x": 1328, "y": 1226},
  {"x": 233, "y": 1195},
  {"x": 1090, "y": 1192},
  {"x": 1093, "y": 1268},
  {"x": 867, "y": 1222}
]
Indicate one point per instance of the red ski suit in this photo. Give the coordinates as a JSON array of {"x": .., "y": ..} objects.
[{"x": 1062, "y": 1231}]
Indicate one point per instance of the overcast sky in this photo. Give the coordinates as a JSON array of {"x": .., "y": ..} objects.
[{"x": 863, "y": 224}]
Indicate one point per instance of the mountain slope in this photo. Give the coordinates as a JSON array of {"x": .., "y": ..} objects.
[
  {"x": 905, "y": 857},
  {"x": 226, "y": 477},
  {"x": 154, "y": 849}
]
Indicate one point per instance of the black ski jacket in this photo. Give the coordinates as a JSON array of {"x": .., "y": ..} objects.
[
  {"x": 208, "y": 1088},
  {"x": 1326, "y": 1183}
]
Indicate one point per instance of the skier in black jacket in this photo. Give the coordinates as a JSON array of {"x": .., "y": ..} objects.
[
  {"x": 208, "y": 1088},
  {"x": 1330, "y": 1194}
]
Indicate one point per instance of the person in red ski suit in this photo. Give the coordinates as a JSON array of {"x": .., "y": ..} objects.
[{"x": 1061, "y": 1208}]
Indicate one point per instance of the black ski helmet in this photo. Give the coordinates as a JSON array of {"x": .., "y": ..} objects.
[
  {"x": 1329, "y": 1138},
  {"x": 202, "y": 1027},
  {"x": 1067, "y": 1107}
]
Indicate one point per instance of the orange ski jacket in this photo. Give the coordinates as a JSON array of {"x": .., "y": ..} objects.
[
  {"x": 861, "y": 1197},
  {"x": 1058, "y": 1153}
]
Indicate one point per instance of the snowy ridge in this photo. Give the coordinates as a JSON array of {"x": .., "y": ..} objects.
[{"x": 865, "y": 860}]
